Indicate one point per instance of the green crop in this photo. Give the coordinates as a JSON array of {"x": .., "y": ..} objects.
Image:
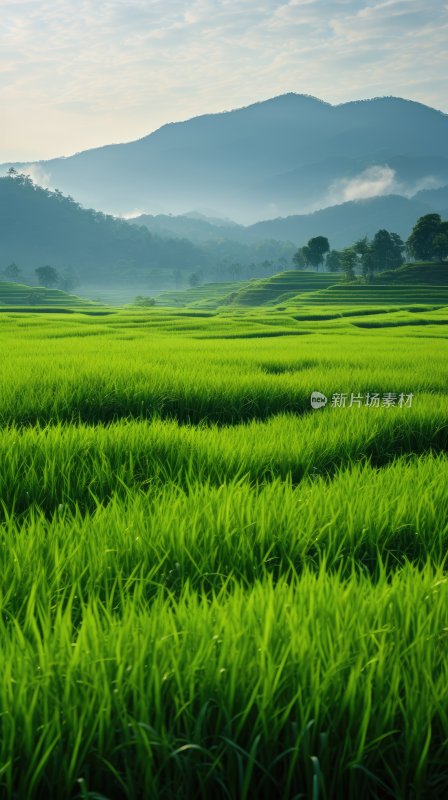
[{"x": 207, "y": 588}]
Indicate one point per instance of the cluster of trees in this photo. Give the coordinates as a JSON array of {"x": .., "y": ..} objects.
[
  {"x": 429, "y": 239},
  {"x": 313, "y": 253},
  {"x": 427, "y": 242},
  {"x": 46, "y": 276},
  {"x": 144, "y": 302},
  {"x": 12, "y": 273},
  {"x": 385, "y": 251}
]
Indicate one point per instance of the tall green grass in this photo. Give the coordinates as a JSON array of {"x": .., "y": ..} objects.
[
  {"x": 84, "y": 371},
  {"x": 79, "y": 464},
  {"x": 207, "y": 589},
  {"x": 319, "y": 688},
  {"x": 205, "y": 536}
]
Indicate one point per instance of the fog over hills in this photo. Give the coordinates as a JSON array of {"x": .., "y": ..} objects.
[
  {"x": 285, "y": 156},
  {"x": 342, "y": 224},
  {"x": 40, "y": 227}
]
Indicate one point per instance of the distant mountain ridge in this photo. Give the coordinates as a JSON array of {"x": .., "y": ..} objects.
[
  {"x": 342, "y": 224},
  {"x": 39, "y": 227},
  {"x": 283, "y": 156}
]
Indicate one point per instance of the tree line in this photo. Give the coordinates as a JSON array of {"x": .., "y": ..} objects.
[
  {"x": 428, "y": 241},
  {"x": 46, "y": 276}
]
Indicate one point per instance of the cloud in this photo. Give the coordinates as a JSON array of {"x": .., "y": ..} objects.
[
  {"x": 132, "y": 214},
  {"x": 38, "y": 175},
  {"x": 375, "y": 181},
  {"x": 372, "y": 182}
]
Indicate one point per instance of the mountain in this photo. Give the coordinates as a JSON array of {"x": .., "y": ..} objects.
[
  {"x": 345, "y": 223},
  {"x": 342, "y": 224},
  {"x": 436, "y": 198},
  {"x": 196, "y": 227},
  {"x": 287, "y": 155},
  {"x": 40, "y": 227}
]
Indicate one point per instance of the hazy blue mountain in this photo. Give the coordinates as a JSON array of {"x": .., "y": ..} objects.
[
  {"x": 342, "y": 224},
  {"x": 283, "y": 156},
  {"x": 39, "y": 227},
  {"x": 195, "y": 227},
  {"x": 436, "y": 198},
  {"x": 345, "y": 223},
  {"x": 219, "y": 222}
]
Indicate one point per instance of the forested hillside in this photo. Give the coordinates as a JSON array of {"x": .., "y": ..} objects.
[{"x": 43, "y": 227}]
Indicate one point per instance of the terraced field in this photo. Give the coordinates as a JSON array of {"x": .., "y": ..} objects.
[
  {"x": 20, "y": 295},
  {"x": 420, "y": 284},
  {"x": 209, "y": 295},
  {"x": 284, "y": 286},
  {"x": 377, "y": 294},
  {"x": 208, "y": 589},
  {"x": 421, "y": 272}
]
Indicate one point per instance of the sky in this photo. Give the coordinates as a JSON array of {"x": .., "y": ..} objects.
[{"x": 82, "y": 73}]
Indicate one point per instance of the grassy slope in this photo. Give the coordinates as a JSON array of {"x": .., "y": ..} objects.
[
  {"x": 422, "y": 283},
  {"x": 20, "y": 295},
  {"x": 207, "y": 589},
  {"x": 256, "y": 292},
  {"x": 411, "y": 285},
  {"x": 209, "y": 295},
  {"x": 280, "y": 288},
  {"x": 422, "y": 272}
]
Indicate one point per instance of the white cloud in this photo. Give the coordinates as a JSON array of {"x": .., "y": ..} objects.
[
  {"x": 375, "y": 181},
  {"x": 372, "y": 182},
  {"x": 135, "y": 212},
  {"x": 38, "y": 175}
]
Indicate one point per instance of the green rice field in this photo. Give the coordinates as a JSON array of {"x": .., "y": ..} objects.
[{"x": 209, "y": 589}]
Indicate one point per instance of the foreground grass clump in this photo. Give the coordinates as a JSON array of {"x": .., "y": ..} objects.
[
  {"x": 79, "y": 465},
  {"x": 314, "y": 687},
  {"x": 205, "y": 536},
  {"x": 208, "y": 589}
]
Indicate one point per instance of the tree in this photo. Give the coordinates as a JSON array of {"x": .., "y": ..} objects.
[
  {"x": 440, "y": 242},
  {"x": 299, "y": 258},
  {"x": 387, "y": 251},
  {"x": 47, "y": 276},
  {"x": 349, "y": 261},
  {"x": 364, "y": 256},
  {"x": 441, "y": 246},
  {"x": 421, "y": 241},
  {"x": 144, "y": 302},
  {"x": 333, "y": 261},
  {"x": 12, "y": 272},
  {"x": 317, "y": 247},
  {"x": 68, "y": 281},
  {"x": 194, "y": 279},
  {"x": 306, "y": 252}
]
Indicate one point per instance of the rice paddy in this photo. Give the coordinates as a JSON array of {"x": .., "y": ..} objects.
[
  {"x": 207, "y": 588},
  {"x": 19, "y": 295}
]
